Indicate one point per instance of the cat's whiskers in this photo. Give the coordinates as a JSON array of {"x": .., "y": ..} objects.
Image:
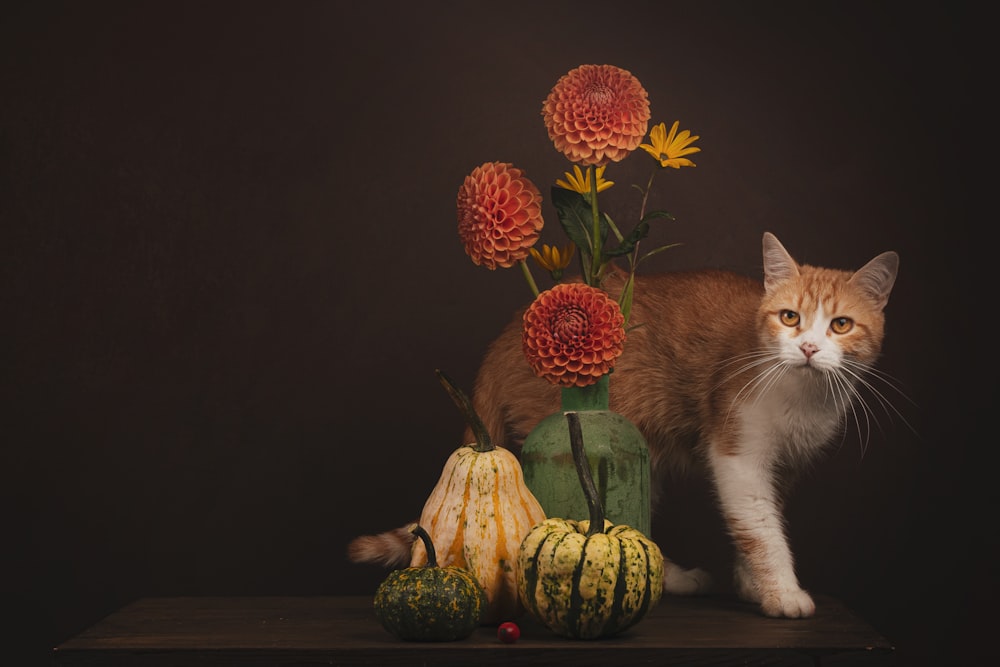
[
  {"x": 839, "y": 390},
  {"x": 842, "y": 387},
  {"x": 766, "y": 380},
  {"x": 759, "y": 384},
  {"x": 848, "y": 392},
  {"x": 747, "y": 361},
  {"x": 861, "y": 372},
  {"x": 850, "y": 382}
]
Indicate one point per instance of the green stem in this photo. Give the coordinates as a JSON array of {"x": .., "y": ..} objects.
[
  {"x": 595, "y": 269},
  {"x": 484, "y": 443},
  {"x": 645, "y": 195},
  {"x": 642, "y": 213},
  {"x": 586, "y": 477},
  {"x": 526, "y": 270}
]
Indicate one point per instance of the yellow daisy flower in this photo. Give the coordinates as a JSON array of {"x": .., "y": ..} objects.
[
  {"x": 669, "y": 150},
  {"x": 552, "y": 259},
  {"x": 580, "y": 182}
]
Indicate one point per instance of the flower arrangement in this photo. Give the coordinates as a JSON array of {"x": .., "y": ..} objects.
[{"x": 595, "y": 115}]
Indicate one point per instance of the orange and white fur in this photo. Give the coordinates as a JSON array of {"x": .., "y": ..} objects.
[{"x": 746, "y": 381}]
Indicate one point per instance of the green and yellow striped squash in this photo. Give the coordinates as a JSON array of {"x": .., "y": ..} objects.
[
  {"x": 588, "y": 579},
  {"x": 588, "y": 586},
  {"x": 430, "y": 603},
  {"x": 478, "y": 513}
]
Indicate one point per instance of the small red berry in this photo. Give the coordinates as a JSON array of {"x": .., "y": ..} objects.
[{"x": 508, "y": 632}]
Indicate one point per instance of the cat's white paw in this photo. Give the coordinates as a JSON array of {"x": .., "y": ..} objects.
[
  {"x": 788, "y": 604},
  {"x": 678, "y": 581},
  {"x": 785, "y": 602}
]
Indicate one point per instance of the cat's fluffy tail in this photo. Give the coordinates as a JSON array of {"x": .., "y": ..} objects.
[{"x": 391, "y": 548}]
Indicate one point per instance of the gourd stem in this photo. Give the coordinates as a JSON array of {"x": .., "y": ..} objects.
[
  {"x": 586, "y": 478},
  {"x": 484, "y": 443},
  {"x": 419, "y": 531}
]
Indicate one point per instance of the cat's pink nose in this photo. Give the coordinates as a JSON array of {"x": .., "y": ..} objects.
[{"x": 808, "y": 349}]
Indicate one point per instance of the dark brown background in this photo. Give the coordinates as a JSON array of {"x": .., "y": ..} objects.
[{"x": 229, "y": 268}]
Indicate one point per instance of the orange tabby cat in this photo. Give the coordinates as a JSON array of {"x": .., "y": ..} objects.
[{"x": 747, "y": 380}]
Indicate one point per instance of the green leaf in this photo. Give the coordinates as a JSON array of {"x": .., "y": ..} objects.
[
  {"x": 625, "y": 300},
  {"x": 658, "y": 214},
  {"x": 613, "y": 227},
  {"x": 577, "y": 220},
  {"x": 655, "y": 252},
  {"x": 627, "y": 245}
]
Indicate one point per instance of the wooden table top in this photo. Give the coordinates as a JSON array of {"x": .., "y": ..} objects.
[{"x": 344, "y": 631}]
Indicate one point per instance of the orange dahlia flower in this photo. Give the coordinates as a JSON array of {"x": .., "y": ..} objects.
[
  {"x": 573, "y": 334},
  {"x": 597, "y": 114},
  {"x": 499, "y": 215}
]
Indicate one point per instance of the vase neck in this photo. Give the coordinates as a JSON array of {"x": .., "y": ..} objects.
[{"x": 591, "y": 397}]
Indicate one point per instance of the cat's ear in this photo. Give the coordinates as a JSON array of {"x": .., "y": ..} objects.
[
  {"x": 877, "y": 277},
  {"x": 778, "y": 264}
]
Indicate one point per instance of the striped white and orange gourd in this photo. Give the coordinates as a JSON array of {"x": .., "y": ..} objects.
[{"x": 478, "y": 513}]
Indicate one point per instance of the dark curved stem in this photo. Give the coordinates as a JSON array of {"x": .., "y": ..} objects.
[
  {"x": 484, "y": 443},
  {"x": 586, "y": 478},
  {"x": 419, "y": 531}
]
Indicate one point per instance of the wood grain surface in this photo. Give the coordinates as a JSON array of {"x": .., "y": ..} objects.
[{"x": 344, "y": 631}]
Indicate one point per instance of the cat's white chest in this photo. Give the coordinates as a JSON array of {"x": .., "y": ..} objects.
[{"x": 797, "y": 413}]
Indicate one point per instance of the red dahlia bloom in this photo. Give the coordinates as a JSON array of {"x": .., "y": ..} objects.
[
  {"x": 499, "y": 215},
  {"x": 573, "y": 334},
  {"x": 597, "y": 114}
]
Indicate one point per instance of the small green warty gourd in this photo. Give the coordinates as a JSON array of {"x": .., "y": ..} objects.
[
  {"x": 588, "y": 579},
  {"x": 430, "y": 603}
]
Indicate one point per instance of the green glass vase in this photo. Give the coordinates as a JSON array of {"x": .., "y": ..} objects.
[{"x": 617, "y": 453}]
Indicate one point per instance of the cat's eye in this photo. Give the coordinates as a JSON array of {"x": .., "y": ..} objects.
[
  {"x": 789, "y": 318},
  {"x": 841, "y": 325}
]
